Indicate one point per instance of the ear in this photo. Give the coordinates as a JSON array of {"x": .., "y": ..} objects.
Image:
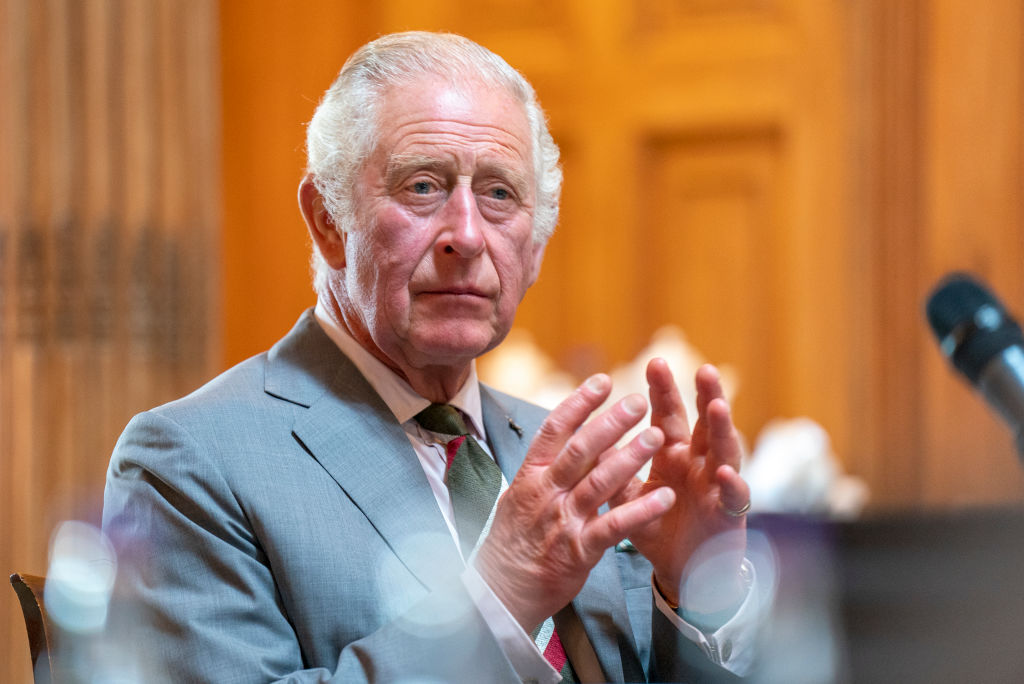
[
  {"x": 326, "y": 236},
  {"x": 538, "y": 257}
]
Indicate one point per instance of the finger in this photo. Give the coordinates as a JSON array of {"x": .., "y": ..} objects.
[
  {"x": 582, "y": 450},
  {"x": 723, "y": 437},
  {"x": 620, "y": 522},
  {"x": 566, "y": 418},
  {"x": 667, "y": 409},
  {"x": 734, "y": 492},
  {"x": 709, "y": 388},
  {"x": 615, "y": 472},
  {"x": 633, "y": 489}
]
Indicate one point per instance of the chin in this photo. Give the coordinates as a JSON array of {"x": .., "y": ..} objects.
[{"x": 457, "y": 343}]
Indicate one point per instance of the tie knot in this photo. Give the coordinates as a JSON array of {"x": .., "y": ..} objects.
[{"x": 444, "y": 419}]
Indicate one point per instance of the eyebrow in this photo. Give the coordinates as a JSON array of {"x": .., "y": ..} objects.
[
  {"x": 401, "y": 164},
  {"x": 517, "y": 179}
]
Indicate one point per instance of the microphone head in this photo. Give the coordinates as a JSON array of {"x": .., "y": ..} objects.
[{"x": 972, "y": 326}]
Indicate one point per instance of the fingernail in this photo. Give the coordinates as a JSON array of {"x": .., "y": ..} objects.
[
  {"x": 649, "y": 438},
  {"x": 635, "y": 404},
  {"x": 665, "y": 496},
  {"x": 597, "y": 383}
]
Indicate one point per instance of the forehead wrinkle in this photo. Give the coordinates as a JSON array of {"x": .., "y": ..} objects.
[
  {"x": 476, "y": 128},
  {"x": 450, "y": 143}
]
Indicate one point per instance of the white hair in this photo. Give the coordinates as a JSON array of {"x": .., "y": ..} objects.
[{"x": 343, "y": 130}]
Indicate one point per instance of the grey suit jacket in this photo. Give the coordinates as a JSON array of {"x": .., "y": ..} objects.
[{"x": 276, "y": 525}]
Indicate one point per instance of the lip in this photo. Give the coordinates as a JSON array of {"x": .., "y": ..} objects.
[{"x": 455, "y": 292}]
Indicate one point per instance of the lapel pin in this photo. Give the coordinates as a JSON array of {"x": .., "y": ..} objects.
[{"x": 512, "y": 424}]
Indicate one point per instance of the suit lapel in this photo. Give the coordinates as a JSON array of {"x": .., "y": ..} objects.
[
  {"x": 508, "y": 442},
  {"x": 349, "y": 430}
]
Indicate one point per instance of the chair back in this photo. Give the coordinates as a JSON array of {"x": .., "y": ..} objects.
[{"x": 40, "y": 632}]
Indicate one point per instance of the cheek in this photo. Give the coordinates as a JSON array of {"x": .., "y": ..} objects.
[
  {"x": 388, "y": 255},
  {"x": 360, "y": 261},
  {"x": 400, "y": 235},
  {"x": 515, "y": 271}
]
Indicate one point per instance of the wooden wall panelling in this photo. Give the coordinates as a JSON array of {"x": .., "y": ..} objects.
[
  {"x": 39, "y": 206},
  {"x": 99, "y": 185},
  {"x": 766, "y": 70},
  {"x": 8, "y": 51},
  {"x": 108, "y": 227},
  {"x": 715, "y": 170},
  {"x": 62, "y": 414},
  {"x": 973, "y": 204},
  {"x": 13, "y": 116},
  {"x": 722, "y": 101},
  {"x": 28, "y": 353},
  {"x": 552, "y": 312},
  {"x": 935, "y": 157},
  {"x": 266, "y": 98},
  {"x": 138, "y": 199},
  {"x": 547, "y": 26},
  {"x": 202, "y": 329},
  {"x": 884, "y": 43},
  {"x": 172, "y": 198},
  {"x": 817, "y": 292},
  {"x": 594, "y": 272},
  {"x": 711, "y": 233}
]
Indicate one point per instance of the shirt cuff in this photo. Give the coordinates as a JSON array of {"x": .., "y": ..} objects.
[
  {"x": 527, "y": 660},
  {"x": 733, "y": 644}
]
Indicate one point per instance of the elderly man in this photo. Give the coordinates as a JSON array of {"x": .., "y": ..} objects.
[{"x": 326, "y": 511}]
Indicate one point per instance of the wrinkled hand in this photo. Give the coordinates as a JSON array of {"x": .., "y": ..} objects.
[
  {"x": 702, "y": 469},
  {"x": 547, "y": 533}
]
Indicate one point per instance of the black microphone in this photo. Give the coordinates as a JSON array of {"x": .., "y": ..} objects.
[{"x": 983, "y": 342}]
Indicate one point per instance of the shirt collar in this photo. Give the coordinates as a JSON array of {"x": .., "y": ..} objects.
[{"x": 399, "y": 396}]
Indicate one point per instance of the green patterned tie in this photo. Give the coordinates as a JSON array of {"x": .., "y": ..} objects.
[
  {"x": 474, "y": 483},
  {"x": 472, "y": 476}
]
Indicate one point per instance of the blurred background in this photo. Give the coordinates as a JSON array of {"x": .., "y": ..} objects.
[{"x": 781, "y": 180}]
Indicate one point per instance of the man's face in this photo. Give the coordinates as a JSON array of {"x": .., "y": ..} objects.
[{"x": 442, "y": 252}]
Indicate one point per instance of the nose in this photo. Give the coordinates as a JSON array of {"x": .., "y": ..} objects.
[{"x": 462, "y": 228}]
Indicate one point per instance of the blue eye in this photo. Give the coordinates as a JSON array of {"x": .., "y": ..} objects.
[
  {"x": 500, "y": 193},
  {"x": 421, "y": 187}
]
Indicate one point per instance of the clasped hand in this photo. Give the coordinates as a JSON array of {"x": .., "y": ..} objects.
[{"x": 548, "y": 531}]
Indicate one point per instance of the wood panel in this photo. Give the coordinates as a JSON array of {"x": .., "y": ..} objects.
[
  {"x": 885, "y": 152},
  {"x": 108, "y": 237},
  {"x": 267, "y": 96},
  {"x": 711, "y": 216},
  {"x": 936, "y": 158},
  {"x": 973, "y": 200}
]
